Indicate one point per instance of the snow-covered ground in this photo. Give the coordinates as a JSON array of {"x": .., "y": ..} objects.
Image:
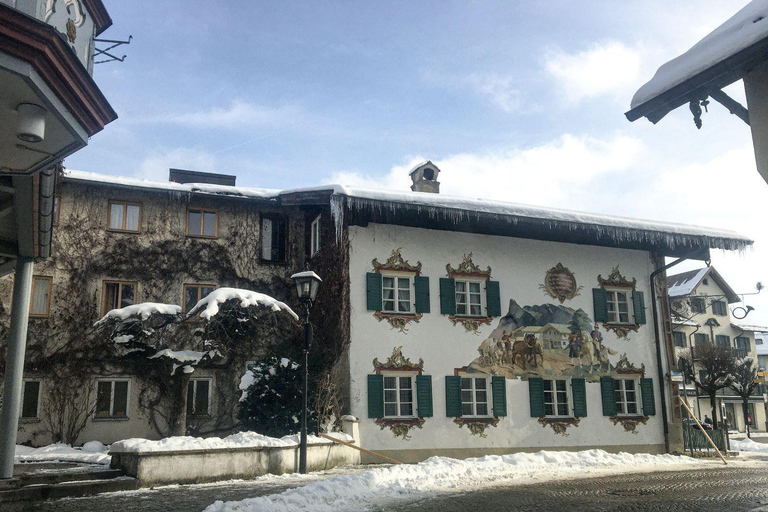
[
  {"x": 93, "y": 452},
  {"x": 436, "y": 474},
  {"x": 748, "y": 445}
]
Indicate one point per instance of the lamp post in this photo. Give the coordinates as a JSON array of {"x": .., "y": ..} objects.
[{"x": 307, "y": 284}]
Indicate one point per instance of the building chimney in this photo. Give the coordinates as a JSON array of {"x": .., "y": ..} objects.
[{"x": 424, "y": 177}]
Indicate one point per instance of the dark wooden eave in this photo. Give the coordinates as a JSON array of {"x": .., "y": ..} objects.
[
  {"x": 43, "y": 46},
  {"x": 98, "y": 12}
]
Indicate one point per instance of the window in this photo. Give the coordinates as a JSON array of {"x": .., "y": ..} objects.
[
  {"x": 40, "y": 304},
  {"x": 274, "y": 238},
  {"x": 30, "y": 400},
  {"x": 618, "y": 306},
  {"x": 314, "y": 237},
  {"x": 743, "y": 342},
  {"x": 193, "y": 293},
  {"x": 396, "y": 294},
  {"x": 118, "y": 294},
  {"x": 199, "y": 397},
  {"x": 202, "y": 223},
  {"x": 398, "y": 396},
  {"x": 474, "y": 397},
  {"x": 719, "y": 308},
  {"x": 124, "y": 217},
  {"x": 625, "y": 392},
  {"x": 556, "y": 398},
  {"x": 56, "y": 210},
  {"x": 469, "y": 298},
  {"x": 678, "y": 338},
  {"x": 112, "y": 398},
  {"x": 700, "y": 338},
  {"x": 723, "y": 340},
  {"x": 698, "y": 305},
  {"x": 705, "y": 281}
]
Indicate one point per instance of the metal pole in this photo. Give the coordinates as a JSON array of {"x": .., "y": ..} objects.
[
  {"x": 305, "y": 392},
  {"x": 14, "y": 364}
]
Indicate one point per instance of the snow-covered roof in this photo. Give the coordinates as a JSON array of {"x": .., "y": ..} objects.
[
  {"x": 749, "y": 327},
  {"x": 685, "y": 283},
  {"x": 728, "y": 46},
  {"x": 678, "y": 320},
  {"x": 420, "y": 165}
]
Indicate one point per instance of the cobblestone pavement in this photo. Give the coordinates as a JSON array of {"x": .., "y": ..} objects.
[{"x": 731, "y": 489}]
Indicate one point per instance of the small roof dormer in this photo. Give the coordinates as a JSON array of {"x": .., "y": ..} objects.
[{"x": 424, "y": 178}]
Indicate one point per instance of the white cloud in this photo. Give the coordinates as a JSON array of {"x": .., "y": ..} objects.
[
  {"x": 156, "y": 165},
  {"x": 238, "y": 115},
  {"x": 607, "y": 68},
  {"x": 498, "y": 89}
]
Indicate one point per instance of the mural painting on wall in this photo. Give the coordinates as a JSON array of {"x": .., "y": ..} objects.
[
  {"x": 547, "y": 340},
  {"x": 560, "y": 283}
]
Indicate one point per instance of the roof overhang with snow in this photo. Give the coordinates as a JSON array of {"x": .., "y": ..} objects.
[{"x": 686, "y": 283}]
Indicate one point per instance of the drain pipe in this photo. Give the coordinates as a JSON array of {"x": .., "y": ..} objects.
[
  {"x": 693, "y": 365},
  {"x": 655, "y": 311}
]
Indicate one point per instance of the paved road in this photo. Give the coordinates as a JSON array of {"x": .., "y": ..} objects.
[{"x": 703, "y": 489}]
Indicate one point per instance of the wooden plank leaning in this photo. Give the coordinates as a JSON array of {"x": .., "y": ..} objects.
[
  {"x": 690, "y": 413},
  {"x": 393, "y": 461}
]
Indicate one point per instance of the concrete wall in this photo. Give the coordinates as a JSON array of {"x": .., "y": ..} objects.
[
  {"x": 520, "y": 265},
  {"x": 188, "y": 467}
]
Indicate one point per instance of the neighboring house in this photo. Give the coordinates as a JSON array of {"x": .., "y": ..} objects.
[
  {"x": 462, "y": 327},
  {"x": 700, "y": 301}
]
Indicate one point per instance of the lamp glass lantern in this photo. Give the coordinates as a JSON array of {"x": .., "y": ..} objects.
[{"x": 307, "y": 284}]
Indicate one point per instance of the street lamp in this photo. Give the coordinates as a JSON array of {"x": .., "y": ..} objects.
[{"x": 307, "y": 284}]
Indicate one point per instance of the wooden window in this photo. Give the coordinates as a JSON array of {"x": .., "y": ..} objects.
[
  {"x": 118, "y": 294},
  {"x": 124, "y": 217},
  {"x": 199, "y": 397},
  {"x": 112, "y": 398},
  {"x": 719, "y": 308},
  {"x": 699, "y": 338},
  {"x": 625, "y": 396},
  {"x": 723, "y": 340},
  {"x": 30, "y": 400},
  {"x": 40, "y": 302},
  {"x": 742, "y": 342},
  {"x": 474, "y": 397},
  {"x": 678, "y": 338},
  {"x": 556, "y": 398},
  {"x": 698, "y": 305},
  {"x": 398, "y": 395},
  {"x": 274, "y": 238},
  {"x": 314, "y": 237},
  {"x": 193, "y": 293},
  {"x": 396, "y": 294},
  {"x": 469, "y": 297},
  {"x": 202, "y": 222}
]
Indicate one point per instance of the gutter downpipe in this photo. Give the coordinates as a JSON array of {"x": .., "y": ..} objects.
[
  {"x": 655, "y": 311},
  {"x": 693, "y": 366}
]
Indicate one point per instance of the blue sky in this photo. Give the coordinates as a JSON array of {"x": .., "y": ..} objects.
[{"x": 516, "y": 101}]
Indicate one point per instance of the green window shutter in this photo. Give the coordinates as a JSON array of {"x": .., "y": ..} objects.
[
  {"x": 639, "y": 303},
  {"x": 499, "y": 387},
  {"x": 424, "y": 396},
  {"x": 375, "y": 396},
  {"x": 447, "y": 296},
  {"x": 649, "y": 400},
  {"x": 609, "y": 396},
  {"x": 373, "y": 289},
  {"x": 579, "y": 389},
  {"x": 600, "y": 301},
  {"x": 421, "y": 283},
  {"x": 536, "y": 394},
  {"x": 453, "y": 396},
  {"x": 493, "y": 298}
]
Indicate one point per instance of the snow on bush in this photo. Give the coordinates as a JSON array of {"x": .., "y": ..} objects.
[
  {"x": 357, "y": 492},
  {"x": 208, "y": 306},
  {"x": 239, "y": 440},
  {"x": 142, "y": 311}
]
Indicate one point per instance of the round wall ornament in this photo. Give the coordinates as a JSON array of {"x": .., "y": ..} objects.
[{"x": 560, "y": 283}]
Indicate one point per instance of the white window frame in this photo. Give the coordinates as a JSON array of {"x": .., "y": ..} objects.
[
  {"x": 467, "y": 295},
  {"x": 397, "y": 376},
  {"x": 39, "y": 396},
  {"x": 614, "y": 302},
  {"x": 396, "y": 302},
  {"x": 314, "y": 237},
  {"x": 209, "y": 412},
  {"x": 556, "y": 402},
  {"x": 112, "y": 400},
  {"x": 622, "y": 405},
  {"x": 474, "y": 402}
]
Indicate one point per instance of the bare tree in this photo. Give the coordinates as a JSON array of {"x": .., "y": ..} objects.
[
  {"x": 744, "y": 382},
  {"x": 715, "y": 365}
]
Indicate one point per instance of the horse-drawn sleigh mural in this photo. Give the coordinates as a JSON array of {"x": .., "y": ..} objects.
[{"x": 546, "y": 340}]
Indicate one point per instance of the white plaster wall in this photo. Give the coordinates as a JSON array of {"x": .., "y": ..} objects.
[{"x": 520, "y": 266}]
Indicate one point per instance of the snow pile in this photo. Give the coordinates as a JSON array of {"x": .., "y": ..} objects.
[
  {"x": 92, "y": 452},
  {"x": 745, "y": 28},
  {"x": 143, "y": 310},
  {"x": 357, "y": 492},
  {"x": 239, "y": 440},
  {"x": 208, "y": 307},
  {"x": 748, "y": 445}
]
